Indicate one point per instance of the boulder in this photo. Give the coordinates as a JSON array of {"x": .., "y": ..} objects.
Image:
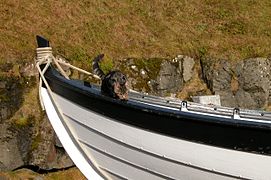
[
  {"x": 173, "y": 75},
  {"x": 169, "y": 79},
  {"x": 245, "y": 84},
  {"x": 254, "y": 79},
  {"x": 46, "y": 151},
  {"x": 218, "y": 75},
  {"x": 187, "y": 64},
  {"x": 10, "y": 157}
]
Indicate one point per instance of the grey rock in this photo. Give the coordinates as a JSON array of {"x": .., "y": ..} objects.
[
  {"x": 188, "y": 64},
  {"x": 153, "y": 85},
  {"x": 47, "y": 155},
  {"x": 44, "y": 145},
  {"x": 24, "y": 139},
  {"x": 255, "y": 80},
  {"x": 160, "y": 77},
  {"x": 30, "y": 144},
  {"x": 245, "y": 84},
  {"x": 10, "y": 97},
  {"x": 243, "y": 99},
  {"x": 62, "y": 159},
  {"x": 15, "y": 145},
  {"x": 169, "y": 79},
  {"x": 217, "y": 78},
  {"x": 10, "y": 156}
]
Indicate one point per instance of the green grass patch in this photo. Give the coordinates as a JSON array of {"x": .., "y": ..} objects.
[
  {"x": 36, "y": 141},
  {"x": 79, "y": 54},
  {"x": 23, "y": 121},
  {"x": 107, "y": 65},
  {"x": 152, "y": 66}
]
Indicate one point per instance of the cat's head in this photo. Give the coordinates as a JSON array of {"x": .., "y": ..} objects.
[{"x": 118, "y": 81}]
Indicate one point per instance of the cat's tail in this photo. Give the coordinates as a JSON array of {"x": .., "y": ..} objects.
[{"x": 96, "y": 68}]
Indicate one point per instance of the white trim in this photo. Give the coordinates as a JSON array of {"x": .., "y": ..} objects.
[
  {"x": 235, "y": 117},
  {"x": 66, "y": 140}
]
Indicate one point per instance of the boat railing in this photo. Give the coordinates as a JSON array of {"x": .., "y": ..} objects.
[{"x": 201, "y": 108}]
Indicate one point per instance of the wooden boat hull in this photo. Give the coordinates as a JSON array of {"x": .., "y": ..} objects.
[{"x": 136, "y": 140}]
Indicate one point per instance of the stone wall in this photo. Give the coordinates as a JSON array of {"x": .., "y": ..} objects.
[{"x": 243, "y": 84}]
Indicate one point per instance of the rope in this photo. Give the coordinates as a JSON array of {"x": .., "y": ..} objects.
[
  {"x": 78, "y": 69},
  {"x": 41, "y": 79},
  {"x": 44, "y": 56}
]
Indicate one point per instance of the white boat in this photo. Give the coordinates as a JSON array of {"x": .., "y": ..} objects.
[{"x": 149, "y": 137}]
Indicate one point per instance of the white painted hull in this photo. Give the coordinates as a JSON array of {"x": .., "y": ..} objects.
[{"x": 121, "y": 151}]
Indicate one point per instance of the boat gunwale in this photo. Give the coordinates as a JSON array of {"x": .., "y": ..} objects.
[{"x": 170, "y": 106}]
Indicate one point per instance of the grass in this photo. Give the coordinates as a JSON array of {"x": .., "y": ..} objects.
[
  {"x": 106, "y": 64},
  {"x": 152, "y": 66},
  {"x": 22, "y": 122},
  {"x": 79, "y": 30},
  {"x": 71, "y": 173}
]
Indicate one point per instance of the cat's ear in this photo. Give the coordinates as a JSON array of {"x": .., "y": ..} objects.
[{"x": 101, "y": 56}]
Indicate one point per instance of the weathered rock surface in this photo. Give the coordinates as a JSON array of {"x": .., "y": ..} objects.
[
  {"x": 26, "y": 136},
  {"x": 11, "y": 91},
  {"x": 169, "y": 79},
  {"x": 13, "y": 151},
  {"x": 187, "y": 64},
  {"x": 46, "y": 152},
  {"x": 10, "y": 157},
  {"x": 159, "y": 76},
  {"x": 245, "y": 84},
  {"x": 174, "y": 74}
]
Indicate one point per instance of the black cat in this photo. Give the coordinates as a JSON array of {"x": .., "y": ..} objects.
[{"x": 114, "y": 84}]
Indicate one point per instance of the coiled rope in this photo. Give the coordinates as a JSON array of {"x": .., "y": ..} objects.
[{"x": 45, "y": 56}]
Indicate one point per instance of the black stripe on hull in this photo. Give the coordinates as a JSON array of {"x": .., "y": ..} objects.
[{"x": 221, "y": 133}]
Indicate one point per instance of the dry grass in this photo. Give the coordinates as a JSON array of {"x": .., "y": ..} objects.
[
  {"x": 23, "y": 174},
  {"x": 72, "y": 174},
  {"x": 80, "y": 29}
]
